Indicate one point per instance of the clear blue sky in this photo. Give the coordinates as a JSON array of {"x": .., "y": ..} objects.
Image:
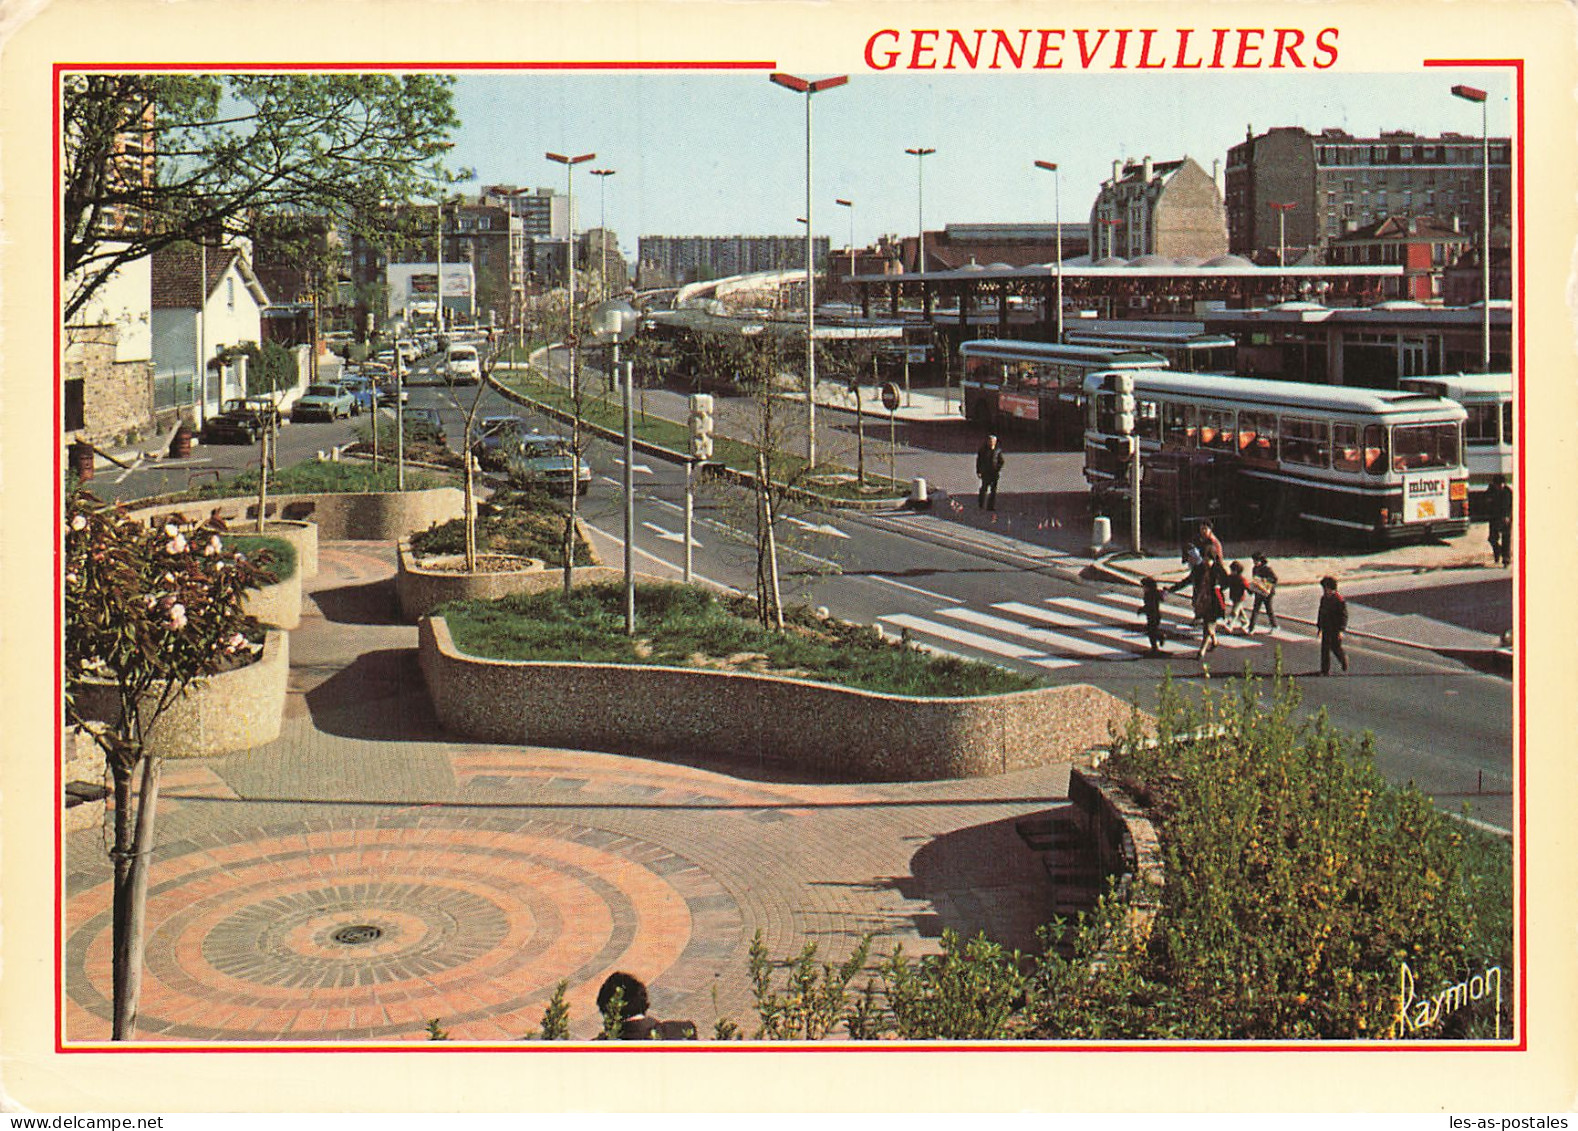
[{"x": 725, "y": 154}]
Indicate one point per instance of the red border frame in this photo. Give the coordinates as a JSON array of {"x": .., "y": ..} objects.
[{"x": 1520, "y": 744}]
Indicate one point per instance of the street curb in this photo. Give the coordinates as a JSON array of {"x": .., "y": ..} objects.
[
  {"x": 734, "y": 475},
  {"x": 1497, "y": 661}
]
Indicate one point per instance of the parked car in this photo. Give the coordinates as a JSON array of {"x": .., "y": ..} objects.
[
  {"x": 547, "y": 461},
  {"x": 407, "y": 350},
  {"x": 240, "y": 421},
  {"x": 425, "y": 424},
  {"x": 323, "y": 402},
  {"x": 388, "y": 392},
  {"x": 363, "y": 393},
  {"x": 493, "y": 438}
]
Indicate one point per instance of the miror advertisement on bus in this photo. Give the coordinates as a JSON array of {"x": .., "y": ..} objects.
[{"x": 1426, "y": 498}]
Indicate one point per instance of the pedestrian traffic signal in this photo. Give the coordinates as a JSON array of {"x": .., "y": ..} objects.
[{"x": 701, "y": 426}]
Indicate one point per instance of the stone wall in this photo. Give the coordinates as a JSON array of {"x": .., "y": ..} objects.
[
  {"x": 1124, "y": 841},
  {"x": 117, "y": 397},
  {"x": 831, "y": 731},
  {"x": 235, "y": 710}
]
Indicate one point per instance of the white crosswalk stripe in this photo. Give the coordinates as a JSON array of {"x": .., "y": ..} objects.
[
  {"x": 988, "y": 644},
  {"x": 1059, "y": 632},
  {"x": 1040, "y": 635},
  {"x": 1222, "y": 638}
]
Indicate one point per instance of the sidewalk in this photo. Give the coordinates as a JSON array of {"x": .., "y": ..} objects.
[{"x": 369, "y": 872}]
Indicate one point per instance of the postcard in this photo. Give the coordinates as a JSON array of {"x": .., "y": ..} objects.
[{"x": 788, "y": 557}]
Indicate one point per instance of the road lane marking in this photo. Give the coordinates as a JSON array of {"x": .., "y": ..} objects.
[
  {"x": 669, "y": 535},
  {"x": 1063, "y": 620},
  {"x": 1222, "y": 638},
  {"x": 916, "y": 589}
]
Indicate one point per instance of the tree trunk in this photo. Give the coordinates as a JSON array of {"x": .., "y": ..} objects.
[
  {"x": 263, "y": 460},
  {"x": 131, "y": 889}
]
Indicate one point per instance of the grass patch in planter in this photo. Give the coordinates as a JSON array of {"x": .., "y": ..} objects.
[
  {"x": 527, "y": 524},
  {"x": 681, "y": 626},
  {"x": 280, "y": 559},
  {"x": 318, "y": 477}
]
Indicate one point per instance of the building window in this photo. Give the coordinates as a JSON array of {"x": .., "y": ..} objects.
[{"x": 230, "y": 294}]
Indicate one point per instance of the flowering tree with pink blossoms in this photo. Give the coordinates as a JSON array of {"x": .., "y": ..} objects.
[{"x": 153, "y": 611}]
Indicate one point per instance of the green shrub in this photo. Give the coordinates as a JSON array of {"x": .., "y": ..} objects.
[
  {"x": 316, "y": 477},
  {"x": 526, "y": 524},
  {"x": 280, "y": 554}
]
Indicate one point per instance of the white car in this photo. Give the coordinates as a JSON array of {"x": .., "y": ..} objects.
[
  {"x": 462, "y": 365},
  {"x": 408, "y": 351}
]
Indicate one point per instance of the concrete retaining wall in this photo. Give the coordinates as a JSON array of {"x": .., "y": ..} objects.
[
  {"x": 278, "y": 605},
  {"x": 1124, "y": 841},
  {"x": 235, "y": 710},
  {"x": 374, "y": 516},
  {"x": 420, "y": 590},
  {"x": 833, "y": 731}
]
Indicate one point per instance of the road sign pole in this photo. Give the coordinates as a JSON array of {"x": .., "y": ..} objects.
[
  {"x": 1134, "y": 492},
  {"x": 690, "y": 468}
]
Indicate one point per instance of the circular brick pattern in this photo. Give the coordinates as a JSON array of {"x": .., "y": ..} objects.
[{"x": 471, "y": 921}]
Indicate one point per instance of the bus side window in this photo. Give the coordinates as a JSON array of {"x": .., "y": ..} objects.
[
  {"x": 1147, "y": 420},
  {"x": 1506, "y": 423},
  {"x": 1375, "y": 449},
  {"x": 1177, "y": 425},
  {"x": 1345, "y": 448}
]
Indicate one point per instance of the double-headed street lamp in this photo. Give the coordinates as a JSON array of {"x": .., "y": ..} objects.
[
  {"x": 1473, "y": 94},
  {"x": 1057, "y": 224},
  {"x": 569, "y": 164},
  {"x": 809, "y": 87},
  {"x": 602, "y": 176},
  {"x": 920, "y": 153},
  {"x": 850, "y": 204}
]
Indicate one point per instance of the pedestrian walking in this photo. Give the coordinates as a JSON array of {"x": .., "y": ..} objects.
[
  {"x": 1151, "y": 595},
  {"x": 1331, "y": 622},
  {"x": 1263, "y": 584},
  {"x": 1208, "y": 608},
  {"x": 1210, "y": 545},
  {"x": 988, "y": 467},
  {"x": 1195, "y": 561},
  {"x": 1498, "y": 506},
  {"x": 1238, "y": 599}
]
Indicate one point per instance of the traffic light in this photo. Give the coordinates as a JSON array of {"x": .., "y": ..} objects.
[
  {"x": 701, "y": 426},
  {"x": 1123, "y": 403}
]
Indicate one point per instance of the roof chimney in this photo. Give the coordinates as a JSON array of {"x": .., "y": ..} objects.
[
  {"x": 1216, "y": 172},
  {"x": 1145, "y": 169},
  {"x": 1117, "y": 171}
]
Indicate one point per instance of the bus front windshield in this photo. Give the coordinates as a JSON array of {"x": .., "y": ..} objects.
[{"x": 1420, "y": 446}]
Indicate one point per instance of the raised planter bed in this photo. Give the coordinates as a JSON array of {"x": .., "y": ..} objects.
[
  {"x": 370, "y": 516},
  {"x": 235, "y": 710},
  {"x": 279, "y": 604},
  {"x": 838, "y": 732}
]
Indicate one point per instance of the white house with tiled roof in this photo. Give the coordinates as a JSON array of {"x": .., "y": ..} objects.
[{"x": 205, "y": 299}]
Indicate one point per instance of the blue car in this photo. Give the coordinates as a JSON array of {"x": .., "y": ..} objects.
[{"x": 362, "y": 392}]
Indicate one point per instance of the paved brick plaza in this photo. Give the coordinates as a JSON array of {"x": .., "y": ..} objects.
[{"x": 364, "y": 873}]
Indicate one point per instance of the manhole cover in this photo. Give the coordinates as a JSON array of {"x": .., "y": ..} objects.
[{"x": 357, "y": 935}]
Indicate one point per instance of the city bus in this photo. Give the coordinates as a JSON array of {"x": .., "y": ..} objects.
[
  {"x": 1038, "y": 386},
  {"x": 1384, "y": 467},
  {"x": 1185, "y": 345},
  {"x": 1487, "y": 433}
]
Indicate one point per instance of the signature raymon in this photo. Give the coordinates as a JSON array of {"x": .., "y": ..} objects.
[{"x": 1415, "y": 1013}]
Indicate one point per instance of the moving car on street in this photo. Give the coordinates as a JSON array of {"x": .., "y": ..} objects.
[
  {"x": 547, "y": 461},
  {"x": 363, "y": 393},
  {"x": 425, "y": 424},
  {"x": 494, "y": 437},
  {"x": 324, "y": 402},
  {"x": 462, "y": 366}
]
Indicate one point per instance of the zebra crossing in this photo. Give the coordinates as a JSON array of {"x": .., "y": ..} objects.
[{"x": 1058, "y": 632}]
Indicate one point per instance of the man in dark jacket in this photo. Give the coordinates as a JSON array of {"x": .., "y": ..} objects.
[
  {"x": 1331, "y": 622},
  {"x": 635, "y": 1024},
  {"x": 1498, "y": 507},
  {"x": 988, "y": 466}
]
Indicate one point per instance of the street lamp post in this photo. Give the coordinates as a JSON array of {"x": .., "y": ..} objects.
[
  {"x": 1282, "y": 230},
  {"x": 850, "y": 204},
  {"x": 920, "y": 153},
  {"x": 569, "y": 164},
  {"x": 1057, "y": 223},
  {"x": 1472, "y": 94},
  {"x": 602, "y": 176},
  {"x": 808, "y": 88}
]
